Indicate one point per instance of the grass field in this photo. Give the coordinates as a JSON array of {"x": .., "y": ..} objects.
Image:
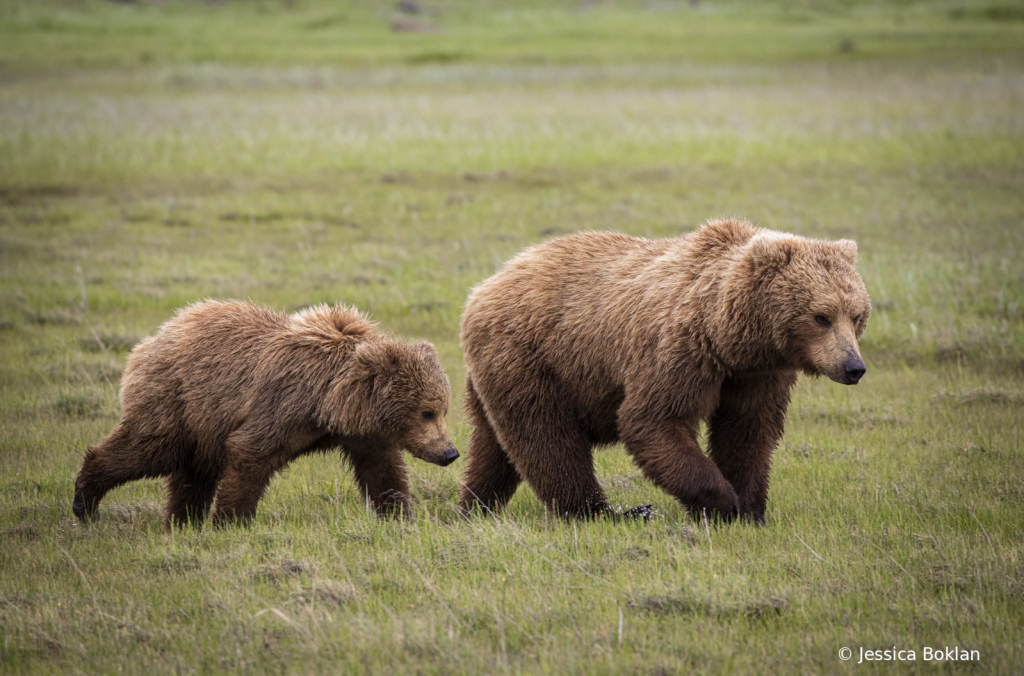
[{"x": 156, "y": 154}]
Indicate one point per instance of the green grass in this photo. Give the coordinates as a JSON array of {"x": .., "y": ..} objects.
[
  {"x": 52, "y": 37},
  {"x": 294, "y": 155}
]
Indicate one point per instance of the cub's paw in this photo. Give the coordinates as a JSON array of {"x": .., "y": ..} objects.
[
  {"x": 78, "y": 507},
  {"x": 82, "y": 511}
]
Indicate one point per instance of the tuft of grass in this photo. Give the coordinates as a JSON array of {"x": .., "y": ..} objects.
[
  {"x": 995, "y": 395},
  {"x": 102, "y": 342}
]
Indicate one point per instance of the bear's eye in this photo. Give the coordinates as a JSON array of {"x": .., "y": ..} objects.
[
  {"x": 824, "y": 323},
  {"x": 428, "y": 415},
  {"x": 856, "y": 320}
]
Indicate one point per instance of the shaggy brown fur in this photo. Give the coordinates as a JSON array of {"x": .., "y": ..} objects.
[
  {"x": 226, "y": 394},
  {"x": 599, "y": 337}
]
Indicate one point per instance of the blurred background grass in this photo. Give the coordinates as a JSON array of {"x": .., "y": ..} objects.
[{"x": 153, "y": 154}]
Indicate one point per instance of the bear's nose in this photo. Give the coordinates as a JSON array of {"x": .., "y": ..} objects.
[
  {"x": 450, "y": 455},
  {"x": 854, "y": 369}
]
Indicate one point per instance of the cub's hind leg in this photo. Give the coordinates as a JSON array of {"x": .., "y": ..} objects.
[{"x": 125, "y": 455}]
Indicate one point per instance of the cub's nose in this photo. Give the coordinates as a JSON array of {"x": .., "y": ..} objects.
[
  {"x": 854, "y": 370},
  {"x": 450, "y": 455}
]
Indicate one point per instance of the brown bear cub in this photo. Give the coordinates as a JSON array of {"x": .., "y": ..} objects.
[
  {"x": 226, "y": 394},
  {"x": 600, "y": 337}
]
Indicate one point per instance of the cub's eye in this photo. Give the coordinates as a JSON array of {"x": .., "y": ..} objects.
[
  {"x": 428, "y": 415},
  {"x": 856, "y": 320},
  {"x": 822, "y": 322}
]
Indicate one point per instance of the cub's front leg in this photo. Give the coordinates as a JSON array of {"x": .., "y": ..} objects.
[{"x": 380, "y": 474}]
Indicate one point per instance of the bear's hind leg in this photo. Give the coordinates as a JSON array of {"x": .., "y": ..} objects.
[
  {"x": 189, "y": 497},
  {"x": 558, "y": 464},
  {"x": 118, "y": 459},
  {"x": 491, "y": 478},
  {"x": 548, "y": 446}
]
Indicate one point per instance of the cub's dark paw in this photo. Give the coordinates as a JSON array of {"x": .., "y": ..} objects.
[{"x": 78, "y": 507}]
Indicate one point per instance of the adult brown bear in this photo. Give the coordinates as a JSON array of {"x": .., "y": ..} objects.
[
  {"x": 600, "y": 337},
  {"x": 226, "y": 394}
]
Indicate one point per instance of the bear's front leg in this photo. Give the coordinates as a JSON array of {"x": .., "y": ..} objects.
[
  {"x": 380, "y": 474},
  {"x": 745, "y": 429},
  {"x": 667, "y": 452}
]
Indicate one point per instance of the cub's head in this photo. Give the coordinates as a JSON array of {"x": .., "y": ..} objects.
[
  {"x": 404, "y": 395},
  {"x": 817, "y": 302}
]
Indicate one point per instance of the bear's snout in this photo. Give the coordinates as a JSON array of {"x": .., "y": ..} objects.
[
  {"x": 854, "y": 369},
  {"x": 451, "y": 454}
]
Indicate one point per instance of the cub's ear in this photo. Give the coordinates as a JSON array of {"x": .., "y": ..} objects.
[
  {"x": 847, "y": 249},
  {"x": 378, "y": 359},
  {"x": 426, "y": 350},
  {"x": 361, "y": 402},
  {"x": 772, "y": 253},
  {"x": 428, "y": 354}
]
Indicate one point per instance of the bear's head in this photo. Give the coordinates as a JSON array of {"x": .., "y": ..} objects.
[
  {"x": 817, "y": 306},
  {"x": 399, "y": 391}
]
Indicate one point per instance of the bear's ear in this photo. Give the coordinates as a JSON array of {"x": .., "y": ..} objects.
[
  {"x": 847, "y": 249},
  {"x": 772, "y": 253},
  {"x": 426, "y": 350},
  {"x": 429, "y": 354},
  {"x": 378, "y": 359}
]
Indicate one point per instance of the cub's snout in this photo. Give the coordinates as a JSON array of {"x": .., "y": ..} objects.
[
  {"x": 444, "y": 455},
  {"x": 451, "y": 454}
]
